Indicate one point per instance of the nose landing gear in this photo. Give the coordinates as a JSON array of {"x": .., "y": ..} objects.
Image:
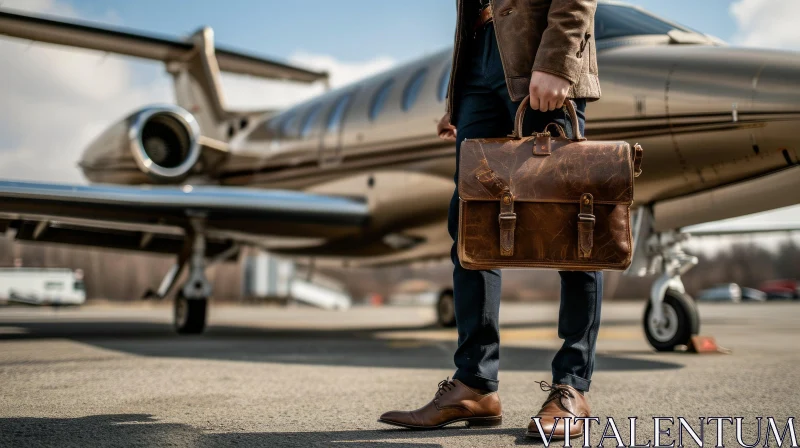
[
  {"x": 671, "y": 317},
  {"x": 679, "y": 321}
]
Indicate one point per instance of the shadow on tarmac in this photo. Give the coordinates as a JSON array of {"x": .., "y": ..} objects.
[
  {"x": 125, "y": 430},
  {"x": 346, "y": 347}
]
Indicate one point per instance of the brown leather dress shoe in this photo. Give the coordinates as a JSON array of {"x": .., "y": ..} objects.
[
  {"x": 563, "y": 401},
  {"x": 453, "y": 402}
]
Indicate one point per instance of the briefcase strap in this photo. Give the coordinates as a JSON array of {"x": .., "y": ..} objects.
[
  {"x": 486, "y": 176},
  {"x": 507, "y": 218},
  {"x": 586, "y": 226},
  {"x": 508, "y": 223}
]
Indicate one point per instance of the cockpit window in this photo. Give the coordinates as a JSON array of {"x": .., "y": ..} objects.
[{"x": 612, "y": 21}]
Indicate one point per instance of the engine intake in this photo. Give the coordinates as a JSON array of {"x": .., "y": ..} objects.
[{"x": 164, "y": 142}]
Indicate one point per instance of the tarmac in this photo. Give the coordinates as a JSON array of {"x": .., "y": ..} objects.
[{"x": 110, "y": 375}]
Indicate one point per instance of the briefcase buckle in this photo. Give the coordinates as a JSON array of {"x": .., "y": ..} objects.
[{"x": 507, "y": 218}]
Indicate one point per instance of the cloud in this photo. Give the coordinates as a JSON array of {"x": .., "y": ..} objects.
[
  {"x": 57, "y": 99},
  {"x": 767, "y": 23},
  {"x": 40, "y": 7}
]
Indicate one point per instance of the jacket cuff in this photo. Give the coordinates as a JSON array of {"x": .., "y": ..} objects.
[
  {"x": 553, "y": 72},
  {"x": 556, "y": 62}
]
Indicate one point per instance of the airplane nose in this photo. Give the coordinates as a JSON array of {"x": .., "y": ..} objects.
[
  {"x": 776, "y": 106},
  {"x": 734, "y": 116},
  {"x": 751, "y": 95},
  {"x": 733, "y": 113},
  {"x": 777, "y": 84},
  {"x": 728, "y": 81}
]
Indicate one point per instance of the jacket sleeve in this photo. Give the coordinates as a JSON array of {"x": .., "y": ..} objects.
[{"x": 568, "y": 23}]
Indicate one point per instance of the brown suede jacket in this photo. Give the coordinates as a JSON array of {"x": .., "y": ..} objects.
[{"x": 553, "y": 36}]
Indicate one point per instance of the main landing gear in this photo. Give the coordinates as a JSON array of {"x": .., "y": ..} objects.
[
  {"x": 446, "y": 309},
  {"x": 191, "y": 301}
]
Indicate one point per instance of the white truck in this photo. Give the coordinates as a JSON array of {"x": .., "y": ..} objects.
[{"x": 42, "y": 286}]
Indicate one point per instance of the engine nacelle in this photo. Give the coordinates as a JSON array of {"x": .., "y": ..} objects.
[
  {"x": 155, "y": 144},
  {"x": 164, "y": 141}
]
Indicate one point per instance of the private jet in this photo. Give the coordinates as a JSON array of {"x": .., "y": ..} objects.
[{"x": 357, "y": 175}]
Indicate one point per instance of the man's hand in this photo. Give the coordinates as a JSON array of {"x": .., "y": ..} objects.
[
  {"x": 548, "y": 92},
  {"x": 446, "y": 131}
]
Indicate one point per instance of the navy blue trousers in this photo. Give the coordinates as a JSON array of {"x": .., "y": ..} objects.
[{"x": 485, "y": 110}]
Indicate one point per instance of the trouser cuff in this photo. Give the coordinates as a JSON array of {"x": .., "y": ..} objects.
[
  {"x": 569, "y": 379},
  {"x": 476, "y": 381}
]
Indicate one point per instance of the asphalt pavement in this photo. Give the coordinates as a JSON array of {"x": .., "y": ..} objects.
[{"x": 104, "y": 375}]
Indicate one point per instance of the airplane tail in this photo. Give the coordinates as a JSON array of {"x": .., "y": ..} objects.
[{"x": 195, "y": 64}]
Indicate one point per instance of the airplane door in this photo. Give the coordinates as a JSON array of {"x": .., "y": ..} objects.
[{"x": 330, "y": 145}]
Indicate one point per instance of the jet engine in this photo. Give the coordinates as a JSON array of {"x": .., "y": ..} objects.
[
  {"x": 163, "y": 141},
  {"x": 155, "y": 144}
]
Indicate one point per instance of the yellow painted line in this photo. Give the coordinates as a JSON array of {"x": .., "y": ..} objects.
[
  {"x": 621, "y": 334},
  {"x": 528, "y": 334},
  {"x": 430, "y": 335},
  {"x": 407, "y": 338}
]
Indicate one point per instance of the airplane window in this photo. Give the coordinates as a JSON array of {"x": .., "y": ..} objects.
[
  {"x": 444, "y": 83},
  {"x": 310, "y": 119},
  {"x": 337, "y": 114},
  {"x": 413, "y": 88},
  {"x": 612, "y": 21},
  {"x": 379, "y": 99}
]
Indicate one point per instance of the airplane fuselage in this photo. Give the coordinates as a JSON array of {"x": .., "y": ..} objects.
[{"x": 706, "y": 116}]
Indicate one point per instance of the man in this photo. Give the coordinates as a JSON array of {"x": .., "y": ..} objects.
[{"x": 505, "y": 50}]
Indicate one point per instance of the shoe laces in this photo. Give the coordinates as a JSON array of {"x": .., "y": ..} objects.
[
  {"x": 445, "y": 385},
  {"x": 557, "y": 391}
]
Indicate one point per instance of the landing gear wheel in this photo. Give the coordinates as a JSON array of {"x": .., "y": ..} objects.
[
  {"x": 189, "y": 315},
  {"x": 446, "y": 309},
  {"x": 681, "y": 322}
]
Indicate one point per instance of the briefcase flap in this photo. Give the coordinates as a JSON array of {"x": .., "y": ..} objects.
[{"x": 557, "y": 170}]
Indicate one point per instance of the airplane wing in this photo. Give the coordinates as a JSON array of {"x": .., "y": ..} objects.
[
  {"x": 741, "y": 229},
  {"x": 90, "y": 36},
  {"x": 156, "y": 218}
]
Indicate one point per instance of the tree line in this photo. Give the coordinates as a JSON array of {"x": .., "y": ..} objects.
[{"x": 126, "y": 276}]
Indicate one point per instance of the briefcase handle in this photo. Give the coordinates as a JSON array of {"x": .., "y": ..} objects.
[{"x": 570, "y": 109}]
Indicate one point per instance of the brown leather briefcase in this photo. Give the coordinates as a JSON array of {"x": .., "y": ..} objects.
[{"x": 545, "y": 201}]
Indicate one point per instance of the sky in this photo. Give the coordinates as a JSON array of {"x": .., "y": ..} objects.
[{"x": 57, "y": 100}]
